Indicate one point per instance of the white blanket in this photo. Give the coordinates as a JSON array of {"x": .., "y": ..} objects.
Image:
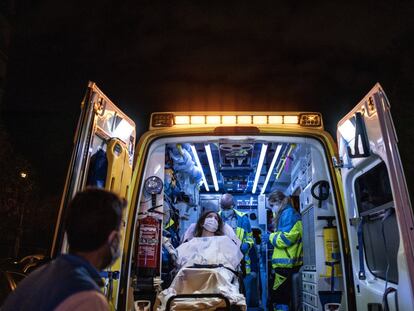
[
  {"x": 211, "y": 251},
  {"x": 227, "y": 230}
]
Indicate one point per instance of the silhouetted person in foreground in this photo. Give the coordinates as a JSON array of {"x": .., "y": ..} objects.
[{"x": 72, "y": 281}]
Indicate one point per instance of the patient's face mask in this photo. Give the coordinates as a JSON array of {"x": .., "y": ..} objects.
[
  {"x": 210, "y": 224},
  {"x": 275, "y": 206}
]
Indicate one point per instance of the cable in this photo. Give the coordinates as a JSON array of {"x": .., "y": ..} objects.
[{"x": 323, "y": 191}]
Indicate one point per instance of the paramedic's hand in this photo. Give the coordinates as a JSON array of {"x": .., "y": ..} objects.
[{"x": 244, "y": 248}]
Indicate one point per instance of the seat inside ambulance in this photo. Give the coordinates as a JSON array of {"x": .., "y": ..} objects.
[{"x": 197, "y": 170}]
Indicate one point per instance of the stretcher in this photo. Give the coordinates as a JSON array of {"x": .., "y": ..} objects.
[
  {"x": 208, "y": 277},
  {"x": 204, "y": 287}
]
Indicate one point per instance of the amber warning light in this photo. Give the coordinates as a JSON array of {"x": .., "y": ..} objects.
[{"x": 198, "y": 119}]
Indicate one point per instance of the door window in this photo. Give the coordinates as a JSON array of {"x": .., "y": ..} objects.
[{"x": 380, "y": 228}]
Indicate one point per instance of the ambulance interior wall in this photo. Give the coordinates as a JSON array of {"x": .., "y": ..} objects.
[{"x": 309, "y": 167}]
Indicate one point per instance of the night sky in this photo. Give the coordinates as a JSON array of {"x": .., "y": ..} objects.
[{"x": 198, "y": 55}]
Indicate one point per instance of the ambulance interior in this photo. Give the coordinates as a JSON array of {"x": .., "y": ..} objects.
[{"x": 196, "y": 171}]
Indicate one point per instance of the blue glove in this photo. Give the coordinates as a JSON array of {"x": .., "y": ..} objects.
[{"x": 244, "y": 248}]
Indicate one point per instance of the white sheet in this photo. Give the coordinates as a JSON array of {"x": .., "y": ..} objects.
[
  {"x": 212, "y": 250},
  {"x": 209, "y": 250},
  {"x": 203, "y": 281},
  {"x": 227, "y": 230}
]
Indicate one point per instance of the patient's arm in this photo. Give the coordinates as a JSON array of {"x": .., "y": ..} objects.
[
  {"x": 228, "y": 230},
  {"x": 189, "y": 234}
]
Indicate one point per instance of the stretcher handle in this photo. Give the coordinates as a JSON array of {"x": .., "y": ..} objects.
[{"x": 170, "y": 300}]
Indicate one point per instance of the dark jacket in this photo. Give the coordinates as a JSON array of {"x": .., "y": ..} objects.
[{"x": 48, "y": 286}]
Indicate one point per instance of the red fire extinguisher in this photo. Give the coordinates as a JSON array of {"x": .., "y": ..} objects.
[{"x": 148, "y": 248}]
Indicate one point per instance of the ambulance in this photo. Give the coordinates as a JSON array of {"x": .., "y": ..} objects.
[{"x": 358, "y": 226}]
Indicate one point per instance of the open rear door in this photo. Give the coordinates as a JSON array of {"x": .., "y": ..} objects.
[
  {"x": 377, "y": 206},
  {"x": 102, "y": 157}
]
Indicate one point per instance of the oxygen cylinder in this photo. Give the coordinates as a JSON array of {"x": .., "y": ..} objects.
[{"x": 331, "y": 247}]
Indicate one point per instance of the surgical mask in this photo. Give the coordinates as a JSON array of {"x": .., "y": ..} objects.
[
  {"x": 115, "y": 249},
  {"x": 275, "y": 206},
  {"x": 227, "y": 213},
  {"x": 210, "y": 224}
]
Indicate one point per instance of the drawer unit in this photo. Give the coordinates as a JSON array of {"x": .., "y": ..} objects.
[
  {"x": 307, "y": 307},
  {"x": 309, "y": 276},
  {"x": 310, "y": 299},
  {"x": 309, "y": 288}
]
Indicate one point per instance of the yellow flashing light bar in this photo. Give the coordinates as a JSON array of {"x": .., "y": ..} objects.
[
  {"x": 228, "y": 120},
  {"x": 198, "y": 119},
  {"x": 244, "y": 119},
  {"x": 275, "y": 120},
  {"x": 213, "y": 120},
  {"x": 260, "y": 120},
  {"x": 169, "y": 119},
  {"x": 290, "y": 119},
  {"x": 182, "y": 120}
]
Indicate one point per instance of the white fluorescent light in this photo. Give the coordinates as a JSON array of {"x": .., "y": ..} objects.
[
  {"x": 193, "y": 149},
  {"x": 259, "y": 167},
  {"x": 272, "y": 165},
  {"x": 211, "y": 164}
]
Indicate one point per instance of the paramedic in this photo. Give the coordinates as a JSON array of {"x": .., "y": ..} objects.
[
  {"x": 72, "y": 281},
  {"x": 241, "y": 225},
  {"x": 287, "y": 253},
  {"x": 210, "y": 224}
]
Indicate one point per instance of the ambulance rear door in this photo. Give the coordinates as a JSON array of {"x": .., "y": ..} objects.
[
  {"x": 377, "y": 205},
  {"x": 102, "y": 127},
  {"x": 102, "y": 157}
]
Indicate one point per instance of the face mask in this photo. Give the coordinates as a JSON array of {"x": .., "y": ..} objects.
[
  {"x": 115, "y": 250},
  {"x": 210, "y": 224},
  {"x": 275, "y": 206},
  {"x": 227, "y": 213}
]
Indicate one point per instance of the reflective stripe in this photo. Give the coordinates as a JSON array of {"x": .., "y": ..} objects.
[
  {"x": 287, "y": 261},
  {"x": 282, "y": 308},
  {"x": 239, "y": 213},
  {"x": 240, "y": 233},
  {"x": 285, "y": 240},
  {"x": 247, "y": 259},
  {"x": 170, "y": 223},
  {"x": 275, "y": 238},
  {"x": 279, "y": 279}
]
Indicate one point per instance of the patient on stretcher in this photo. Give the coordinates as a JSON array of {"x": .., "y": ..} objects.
[
  {"x": 210, "y": 224},
  {"x": 195, "y": 275}
]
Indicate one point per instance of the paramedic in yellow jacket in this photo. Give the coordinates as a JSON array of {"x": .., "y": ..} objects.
[
  {"x": 287, "y": 254},
  {"x": 241, "y": 225}
]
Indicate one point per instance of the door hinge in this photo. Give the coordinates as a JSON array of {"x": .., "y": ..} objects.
[{"x": 339, "y": 163}]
